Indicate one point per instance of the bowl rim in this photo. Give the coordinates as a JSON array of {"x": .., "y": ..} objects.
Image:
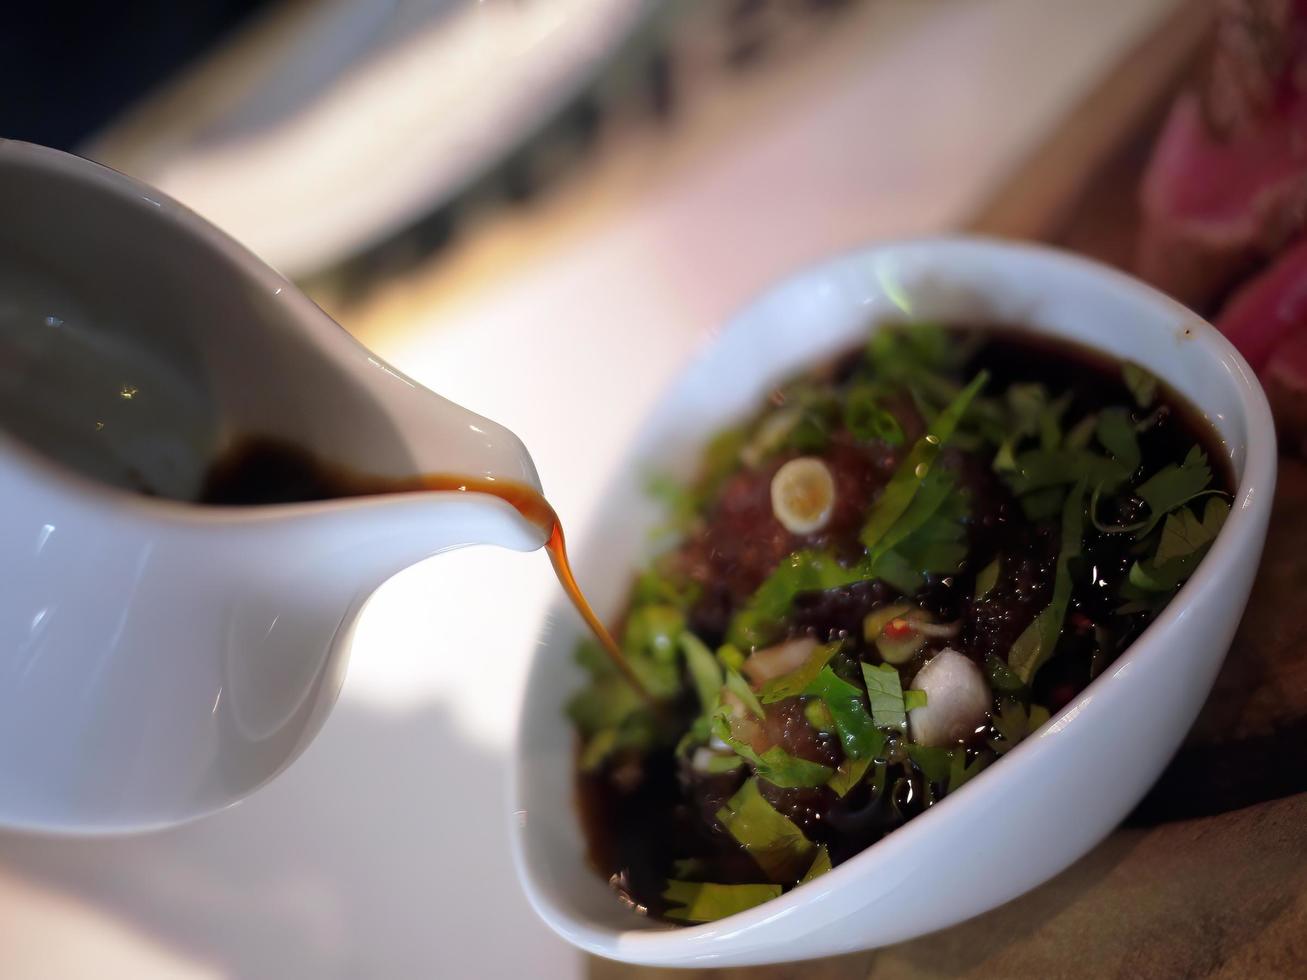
[{"x": 1254, "y": 490}]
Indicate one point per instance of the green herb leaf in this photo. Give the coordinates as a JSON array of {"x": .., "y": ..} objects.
[
  {"x": 1183, "y": 544},
  {"x": 1142, "y": 384},
  {"x": 1116, "y": 433},
  {"x": 903, "y": 487},
  {"x": 962, "y": 772},
  {"x": 1050, "y": 423},
  {"x": 604, "y": 703},
  {"x": 1036, "y": 643},
  {"x": 1079, "y": 434},
  {"x": 986, "y": 579},
  {"x": 721, "y": 457},
  {"x": 804, "y": 571},
  {"x": 705, "y": 901},
  {"x": 654, "y": 631},
  {"x": 1002, "y": 678},
  {"x": 1174, "y": 486},
  {"x": 1039, "y": 469},
  {"x": 933, "y": 761},
  {"x": 771, "y": 838},
  {"x": 820, "y": 865},
  {"x": 1015, "y": 722},
  {"x": 1183, "y": 533},
  {"x": 730, "y": 657},
  {"x": 818, "y": 715},
  {"x": 724, "y": 763},
  {"x": 905, "y": 353},
  {"x": 885, "y": 692},
  {"x": 858, "y": 735},
  {"x": 738, "y": 686},
  {"x": 775, "y": 765},
  {"x": 867, "y": 420},
  {"x": 656, "y": 588},
  {"x": 913, "y": 699},
  {"x": 794, "y": 683},
  {"x": 848, "y": 775},
  {"x": 597, "y": 749},
  {"x": 704, "y": 670}
]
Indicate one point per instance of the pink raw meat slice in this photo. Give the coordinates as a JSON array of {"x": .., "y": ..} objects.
[
  {"x": 1267, "y": 320},
  {"x": 1285, "y": 381},
  {"x": 1269, "y": 309},
  {"x": 1214, "y": 210},
  {"x": 1227, "y": 185}
]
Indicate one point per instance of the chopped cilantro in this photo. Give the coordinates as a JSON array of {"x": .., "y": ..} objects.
[
  {"x": 803, "y": 571},
  {"x": 867, "y": 420},
  {"x": 907, "y": 481},
  {"x": 1035, "y": 644},
  {"x": 858, "y": 735},
  {"x": 1174, "y": 486}
]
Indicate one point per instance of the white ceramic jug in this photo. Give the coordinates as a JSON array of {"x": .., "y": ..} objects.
[{"x": 161, "y": 659}]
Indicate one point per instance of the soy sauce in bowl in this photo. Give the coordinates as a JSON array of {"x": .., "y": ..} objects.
[{"x": 892, "y": 574}]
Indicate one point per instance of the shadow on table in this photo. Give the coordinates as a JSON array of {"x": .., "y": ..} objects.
[{"x": 360, "y": 860}]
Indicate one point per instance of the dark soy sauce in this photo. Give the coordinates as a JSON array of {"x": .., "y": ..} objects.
[{"x": 261, "y": 470}]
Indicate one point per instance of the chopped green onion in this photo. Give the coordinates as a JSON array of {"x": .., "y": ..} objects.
[
  {"x": 705, "y": 901},
  {"x": 913, "y": 699},
  {"x": 704, "y": 670},
  {"x": 885, "y": 692},
  {"x": 771, "y": 838},
  {"x": 792, "y": 684},
  {"x": 902, "y": 488},
  {"x": 738, "y": 686},
  {"x": 987, "y": 578},
  {"x": 820, "y": 865}
]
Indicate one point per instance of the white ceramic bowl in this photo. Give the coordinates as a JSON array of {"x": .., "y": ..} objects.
[{"x": 1053, "y": 797}]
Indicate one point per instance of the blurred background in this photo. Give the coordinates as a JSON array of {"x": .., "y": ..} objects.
[{"x": 539, "y": 208}]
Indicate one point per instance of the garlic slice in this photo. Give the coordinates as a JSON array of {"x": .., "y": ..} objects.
[{"x": 803, "y": 495}]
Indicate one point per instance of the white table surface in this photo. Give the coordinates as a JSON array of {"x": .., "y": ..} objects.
[{"x": 382, "y": 851}]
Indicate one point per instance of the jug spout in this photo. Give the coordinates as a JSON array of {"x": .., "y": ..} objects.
[{"x": 161, "y": 659}]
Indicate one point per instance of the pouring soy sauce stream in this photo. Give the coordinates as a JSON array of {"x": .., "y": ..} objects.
[{"x": 262, "y": 470}]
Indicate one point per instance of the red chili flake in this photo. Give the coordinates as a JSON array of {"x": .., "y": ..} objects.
[
  {"x": 1081, "y": 622},
  {"x": 898, "y": 629}
]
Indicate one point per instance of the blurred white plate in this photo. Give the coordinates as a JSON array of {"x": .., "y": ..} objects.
[{"x": 325, "y": 126}]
